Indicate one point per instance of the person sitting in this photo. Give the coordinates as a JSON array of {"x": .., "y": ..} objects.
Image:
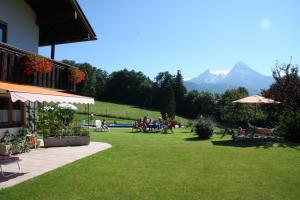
[
  {"x": 240, "y": 131},
  {"x": 145, "y": 124},
  {"x": 167, "y": 125},
  {"x": 104, "y": 126}
]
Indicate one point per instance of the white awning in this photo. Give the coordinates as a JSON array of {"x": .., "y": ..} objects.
[{"x": 38, "y": 94}]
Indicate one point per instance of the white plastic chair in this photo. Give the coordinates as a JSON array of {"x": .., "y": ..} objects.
[
  {"x": 83, "y": 124},
  {"x": 98, "y": 124}
]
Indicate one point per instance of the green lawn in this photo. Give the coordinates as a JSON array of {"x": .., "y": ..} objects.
[
  {"x": 171, "y": 166},
  {"x": 79, "y": 117},
  {"x": 115, "y": 110}
]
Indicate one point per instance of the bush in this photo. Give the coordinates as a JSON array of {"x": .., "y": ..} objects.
[
  {"x": 78, "y": 131},
  {"x": 289, "y": 125},
  {"x": 204, "y": 127}
]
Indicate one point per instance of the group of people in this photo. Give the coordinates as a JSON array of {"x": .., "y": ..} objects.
[{"x": 147, "y": 124}]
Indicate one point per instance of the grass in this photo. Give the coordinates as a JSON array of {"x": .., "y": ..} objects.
[
  {"x": 122, "y": 111},
  {"x": 171, "y": 166},
  {"x": 79, "y": 117}
]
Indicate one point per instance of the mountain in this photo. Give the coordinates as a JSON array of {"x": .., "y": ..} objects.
[
  {"x": 208, "y": 77},
  {"x": 239, "y": 75}
]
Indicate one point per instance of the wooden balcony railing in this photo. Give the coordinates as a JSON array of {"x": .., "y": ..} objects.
[{"x": 12, "y": 71}]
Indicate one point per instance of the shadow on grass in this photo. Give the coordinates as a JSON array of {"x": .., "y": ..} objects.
[
  {"x": 258, "y": 144},
  {"x": 194, "y": 139}
]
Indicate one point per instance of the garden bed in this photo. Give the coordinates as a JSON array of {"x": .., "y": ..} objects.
[{"x": 66, "y": 141}]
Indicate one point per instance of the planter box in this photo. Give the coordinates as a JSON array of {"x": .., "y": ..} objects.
[
  {"x": 66, "y": 141},
  {"x": 5, "y": 150}
]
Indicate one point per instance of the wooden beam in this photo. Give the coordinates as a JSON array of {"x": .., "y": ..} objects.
[{"x": 54, "y": 18}]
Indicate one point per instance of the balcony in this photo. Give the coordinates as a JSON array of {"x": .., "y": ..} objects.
[{"x": 12, "y": 71}]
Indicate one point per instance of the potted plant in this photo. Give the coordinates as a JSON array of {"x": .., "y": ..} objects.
[
  {"x": 75, "y": 76},
  {"x": 73, "y": 136},
  {"x": 55, "y": 124},
  {"x": 36, "y": 64},
  {"x": 5, "y": 146},
  {"x": 14, "y": 143}
]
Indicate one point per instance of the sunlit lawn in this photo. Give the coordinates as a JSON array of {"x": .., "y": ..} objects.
[{"x": 171, "y": 166}]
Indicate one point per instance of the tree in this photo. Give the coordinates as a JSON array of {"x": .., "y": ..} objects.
[
  {"x": 129, "y": 87},
  {"x": 164, "y": 80},
  {"x": 286, "y": 89},
  {"x": 237, "y": 114},
  {"x": 180, "y": 91},
  {"x": 198, "y": 103},
  {"x": 88, "y": 86},
  {"x": 101, "y": 79}
]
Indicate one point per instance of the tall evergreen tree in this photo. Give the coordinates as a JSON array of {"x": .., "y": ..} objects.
[
  {"x": 180, "y": 91},
  {"x": 101, "y": 79},
  {"x": 166, "y": 94}
]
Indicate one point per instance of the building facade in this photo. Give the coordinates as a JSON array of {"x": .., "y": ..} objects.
[{"x": 24, "y": 26}]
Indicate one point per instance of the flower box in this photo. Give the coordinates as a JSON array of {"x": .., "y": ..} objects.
[
  {"x": 66, "y": 141},
  {"x": 5, "y": 150}
]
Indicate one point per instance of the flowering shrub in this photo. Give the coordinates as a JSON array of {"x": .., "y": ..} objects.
[
  {"x": 57, "y": 120},
  {"x": 67, "y": 106},
  {"x": 34, "y": 63},
  {"x": 48, "y": 123},
  {"x": 66, "y": 113},
  {"x": 76, "y": 76}
]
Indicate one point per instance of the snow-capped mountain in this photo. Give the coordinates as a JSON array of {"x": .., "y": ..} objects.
[
  {"x": 239, "y": 75},
  {"x": 208, "y": 77}
]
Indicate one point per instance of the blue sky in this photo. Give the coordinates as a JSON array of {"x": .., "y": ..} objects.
[{"x": 190, "y": 35}]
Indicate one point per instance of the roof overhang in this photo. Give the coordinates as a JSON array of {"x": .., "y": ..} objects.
[
  {"x": 61, "y": 21},
  {"x": 27, "y": 93}
]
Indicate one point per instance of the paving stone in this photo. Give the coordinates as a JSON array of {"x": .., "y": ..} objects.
[{"x": 42, "y": 160}]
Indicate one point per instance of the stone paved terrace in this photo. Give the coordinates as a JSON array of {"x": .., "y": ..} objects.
[{"x": 42, "y": 160}]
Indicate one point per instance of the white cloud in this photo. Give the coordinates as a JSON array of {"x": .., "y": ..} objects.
[{"x": 265, "y": 24}]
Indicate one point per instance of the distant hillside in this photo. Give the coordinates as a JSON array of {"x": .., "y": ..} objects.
[
  {"x": 117, "y": 111},
  {"x": 239, "y": 75}
]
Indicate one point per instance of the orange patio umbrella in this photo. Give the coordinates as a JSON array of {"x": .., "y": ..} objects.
[{"x": 256, "y": 99}]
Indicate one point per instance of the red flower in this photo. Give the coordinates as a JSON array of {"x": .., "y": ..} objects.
[
  {"x": 32, "y": 140},
  {"x": 34, "y": 63},
  {"x": 76, "y": 76}
]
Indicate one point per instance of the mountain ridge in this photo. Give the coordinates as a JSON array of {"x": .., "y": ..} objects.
[{"x": 241, "y": 75}]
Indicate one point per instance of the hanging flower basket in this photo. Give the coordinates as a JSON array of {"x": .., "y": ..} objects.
[
  {"x": 35, "y": 63},
  {"x": 76, "y": 76}
]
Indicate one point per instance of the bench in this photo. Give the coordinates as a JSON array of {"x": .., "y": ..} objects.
[{"x": 7, "y": 160}]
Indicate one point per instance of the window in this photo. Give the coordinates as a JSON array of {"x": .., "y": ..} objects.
[
  {"x": 11, "y": 114},
  {"x": 3, "y": 32},
  {"x": 3, "y": 110}
]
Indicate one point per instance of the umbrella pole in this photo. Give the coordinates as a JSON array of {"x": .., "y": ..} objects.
[
  {"x": 88, "y": 116},
  {"x": 254, "y": 118}
]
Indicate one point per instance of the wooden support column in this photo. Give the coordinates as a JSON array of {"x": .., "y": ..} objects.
[
  {"x": 10, "y": 108},
  {"x": 52, "y": 51},
  {"x": 53, "y": 77}
]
